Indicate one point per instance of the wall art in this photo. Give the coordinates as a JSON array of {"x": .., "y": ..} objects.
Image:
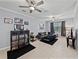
[
  {"x": 41, "y": 26},
  {"x": 8, "y": 20},
  {"x": 18, "y": 27},
  {"x": 26, "y": 23},
  {"x": 18, "y": 21}
]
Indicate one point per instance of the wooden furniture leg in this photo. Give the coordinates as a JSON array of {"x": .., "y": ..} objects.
[
  {"x": 67, "y": 42},
  {"x": 73, "y": 43}
]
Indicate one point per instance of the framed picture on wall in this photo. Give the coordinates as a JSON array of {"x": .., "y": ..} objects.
[
  {"x": 41, "y": 26},
  {"x": 26, "y": 23},
  {"x": 8, "y": 20},
  {"x": 18, "y": 21},
  {"x": 18, "y": 27}
]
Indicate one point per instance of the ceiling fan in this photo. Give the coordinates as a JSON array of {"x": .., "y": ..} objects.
[{"x": 33, "y": 5}]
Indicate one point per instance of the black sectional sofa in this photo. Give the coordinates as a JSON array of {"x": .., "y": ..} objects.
[{"x": 46, "y": 37}]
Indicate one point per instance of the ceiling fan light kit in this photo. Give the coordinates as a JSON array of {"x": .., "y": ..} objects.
[
  {"x": 31, "y": 8},
  {"x": 33, "y": 5}
]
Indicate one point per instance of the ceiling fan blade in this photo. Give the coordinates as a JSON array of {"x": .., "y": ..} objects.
[
  {"x": 24, "y": 6},
  {"x": 32, "y": 2},
  {"x": 38, "y": 10},
  {"x": 27, "y": 1},
  {"x": 40, "y": 3},
  {"x": 31, "y": 11}
]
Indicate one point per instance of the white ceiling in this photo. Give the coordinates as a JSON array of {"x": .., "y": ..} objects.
[{"x": 50, "y": 7}]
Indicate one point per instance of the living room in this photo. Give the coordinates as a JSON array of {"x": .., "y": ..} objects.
[{"x": 51, "y": 27}]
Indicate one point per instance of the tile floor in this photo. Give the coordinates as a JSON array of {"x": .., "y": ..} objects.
[{"x": 45, "y": 51}]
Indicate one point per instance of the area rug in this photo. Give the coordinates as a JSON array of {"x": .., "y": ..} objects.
[
  {"x": 19, "y": 52},
  {"x": 49, "y": 42}
]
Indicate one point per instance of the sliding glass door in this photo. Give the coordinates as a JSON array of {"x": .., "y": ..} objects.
[{"x": 57, "y": 27}]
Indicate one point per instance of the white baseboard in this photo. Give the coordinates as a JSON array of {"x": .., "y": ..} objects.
[{"x": 4, "y": 48}]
